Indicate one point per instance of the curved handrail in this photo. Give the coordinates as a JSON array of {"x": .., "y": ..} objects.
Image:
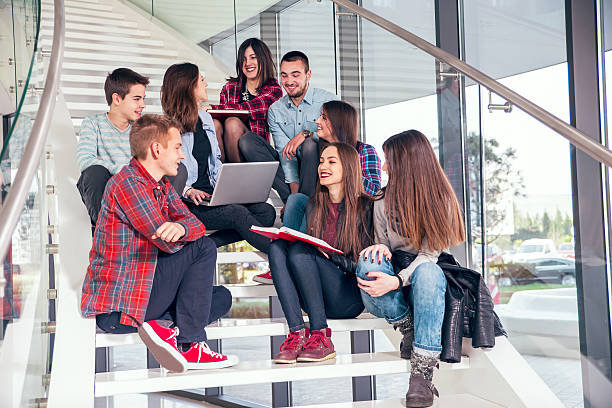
[
  {"x": 15, "y": 200},
  {"x": 596, "y": 150}
]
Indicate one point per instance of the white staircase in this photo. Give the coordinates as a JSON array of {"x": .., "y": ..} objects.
[{"x": 104, "y": 35}]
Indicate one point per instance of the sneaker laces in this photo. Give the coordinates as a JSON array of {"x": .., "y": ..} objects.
[
  {"x": 315, "y": 339},
  {"x": 291, "y": 342},
  {"x": 172, "y": 337},
  {"x": 203, "y": 347}
]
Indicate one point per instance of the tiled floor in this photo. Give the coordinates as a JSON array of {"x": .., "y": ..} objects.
[{"x": 562, "y": 376}]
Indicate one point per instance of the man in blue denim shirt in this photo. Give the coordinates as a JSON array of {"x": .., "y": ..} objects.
[{"x": 292, "y": 117}]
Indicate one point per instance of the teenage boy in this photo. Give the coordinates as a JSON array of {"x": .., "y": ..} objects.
[
  {"x": 150, "y": 259},
  {"x": 104, "y": 147}
]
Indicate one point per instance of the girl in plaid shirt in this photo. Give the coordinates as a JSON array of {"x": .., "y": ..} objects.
[{"x": 254, "y": 88}]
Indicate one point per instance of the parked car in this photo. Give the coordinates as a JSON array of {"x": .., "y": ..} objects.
[
  {"x": 538, "y": 270},
  {"x": 533, "y": 249},
  {"x": 566, "y": 250}
]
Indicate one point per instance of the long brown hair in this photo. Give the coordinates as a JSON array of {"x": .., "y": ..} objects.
[
  {"x": 177, "y": 94},
  {"x": 349, "y": 238},
  {"x": 419, "y": 199},
  {"x": 344, "y": 121},
  {"x": 266, "y": 69}
]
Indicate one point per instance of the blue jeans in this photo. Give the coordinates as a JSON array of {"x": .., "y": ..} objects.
[
  {"x": 295, "y": 211},
  {"x": 425, "y": 297}
]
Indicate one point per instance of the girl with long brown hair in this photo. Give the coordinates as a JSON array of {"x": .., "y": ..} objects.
[
  {"x": 183, "y": 90},
  {"x": 323, "y": 283},
  {"x": 254, "y": 88},
  {"x": 416, "y": 216}
]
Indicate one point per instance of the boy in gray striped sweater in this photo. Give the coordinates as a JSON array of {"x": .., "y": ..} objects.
[{"x": 104, "y": 144}]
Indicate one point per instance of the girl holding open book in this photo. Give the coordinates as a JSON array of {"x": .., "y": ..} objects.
[
  {"x": 323, "y": 283},
  {"x": 416, "y": 216},
  {"x": 183, "y": 90}
]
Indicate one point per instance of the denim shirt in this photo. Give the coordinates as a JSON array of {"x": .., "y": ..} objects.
[
  {"x": 214, "y": 161},
  {"x": 287, "y": 120}
]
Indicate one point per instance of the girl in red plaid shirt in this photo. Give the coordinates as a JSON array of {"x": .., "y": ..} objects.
[{"x": 254, "y": 88}]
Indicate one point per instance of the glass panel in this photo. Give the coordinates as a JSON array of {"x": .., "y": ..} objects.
[
  {"x": 526, "y": 251},
  {"x": 8, "y": 94}
]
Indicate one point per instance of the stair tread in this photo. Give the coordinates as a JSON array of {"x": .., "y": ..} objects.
[
  {"x": 109, "y": 39},
  {"x": 47, "y": 42},
  {"x": 450, "y": 400},
  {"x": 236, "y": 328},
  {"x": 254, "y": 372},
  {"x": 77, "y": 26}
]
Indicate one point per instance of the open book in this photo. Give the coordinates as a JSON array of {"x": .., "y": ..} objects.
[
  {"x": 222, "y": 114},
  {"x": 293, "y": 235}
]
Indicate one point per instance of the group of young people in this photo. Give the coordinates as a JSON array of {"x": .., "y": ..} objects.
[{"x": 152, "y": 267}]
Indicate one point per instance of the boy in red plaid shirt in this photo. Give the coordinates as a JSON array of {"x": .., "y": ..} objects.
[{"x": 150, "y": 261}]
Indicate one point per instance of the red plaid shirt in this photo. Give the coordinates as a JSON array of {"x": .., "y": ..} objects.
[
  {"x": 123, "y": 256},
  {"x": 231, "y": 98}
]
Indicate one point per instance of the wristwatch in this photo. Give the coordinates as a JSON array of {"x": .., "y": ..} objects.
[{"x": 307, "y": 133}]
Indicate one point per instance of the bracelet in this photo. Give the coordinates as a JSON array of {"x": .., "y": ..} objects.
[{"x": 401, "y": 282}]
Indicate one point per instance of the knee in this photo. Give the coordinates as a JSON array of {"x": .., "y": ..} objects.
[
  {"x": 299, "y": 255},
  {"x": 310, "y": 147},
  {"x": 428, "y": 278},
  {"x": 95, "y": 172},
  {"x": 268, "y": 215},
  {"x": 248, "y": 141},
  {"x": 206, "y": 247},
  {"x": 365, "y": 266},
  {"x": 223, "y": 298},
  {"x": 234, "y": 126}
]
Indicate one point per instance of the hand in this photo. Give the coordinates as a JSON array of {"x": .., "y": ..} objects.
[
  {"x": 381, "y": 285},
  {"x": 169, "y": 232},
  {"x": 290, "y": 149},
  {"x": 325, "y": 254},
  {"x": 197, "y": 196},
  {"x": 206, "y": 108},
  {"x": 376, "y": 252}
]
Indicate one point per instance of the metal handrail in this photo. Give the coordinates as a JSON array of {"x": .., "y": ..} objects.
[
  {"x": 596, "y": 150},
  {"x": 15, "y": 199}
]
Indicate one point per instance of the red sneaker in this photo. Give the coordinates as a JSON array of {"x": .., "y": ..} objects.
[
  {"x": 161, "y": 341},
  {"x": 291, "y": 347},
  {"x": 265, "y": 278},
  {"x": 319, "y": 346},
  {"x": 201, "y": 357}
]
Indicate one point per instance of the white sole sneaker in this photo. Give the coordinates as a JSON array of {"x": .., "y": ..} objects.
[
  {"x": 265, "y": 281},
  {"x": 231, "y": 360},
  {"x": 166, "y": 355}
]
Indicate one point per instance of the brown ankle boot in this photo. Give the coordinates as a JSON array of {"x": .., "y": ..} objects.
[
  {"x": 319, "y": 346},
  {"x": 421, "y": 391},
  {"x": 291, "y": 347},
  {"x": 406, "y": 327}
]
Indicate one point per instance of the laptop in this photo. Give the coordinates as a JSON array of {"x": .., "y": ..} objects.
[{"x": 243, "y": 183}]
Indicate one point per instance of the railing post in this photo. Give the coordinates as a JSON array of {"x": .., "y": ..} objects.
[{"x": 281, "y": 392}]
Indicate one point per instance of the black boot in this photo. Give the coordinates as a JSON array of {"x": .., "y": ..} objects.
[
  {"x": 421, "y": 391},
  {"x": 406, "y": 327}
]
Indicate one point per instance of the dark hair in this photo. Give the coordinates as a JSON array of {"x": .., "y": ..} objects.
[
  {"x": 292, "y": 56},
  {"x": 119, "y": 82},
  {"x": 148, "y": 129},
  {"x": 177, "y": 94},
  {"x": 419, "y": 200},
  {"x": 266, "y": 69},
  {"x": 350, "y": 239},
  {"x": 344, "y": 121}
]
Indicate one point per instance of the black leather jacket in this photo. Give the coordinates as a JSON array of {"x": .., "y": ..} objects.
[
  {"x": 346, "y": 263},
  {"x": 468, "y": 308}
]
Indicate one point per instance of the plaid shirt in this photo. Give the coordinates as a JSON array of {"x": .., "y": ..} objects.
[
  {"x": 231, "y": 98},
  {"x": 123, "y": 256},
  {"x": 370, "y": 167}
]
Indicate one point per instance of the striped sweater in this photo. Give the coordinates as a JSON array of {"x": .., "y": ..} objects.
[{"x": 101, "y": 143}]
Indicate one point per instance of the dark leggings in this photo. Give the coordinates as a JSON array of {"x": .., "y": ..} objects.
[
  {"x": 304, "y": 278},
  {"x": 309, "y": 165},
  {"x": 234, "y": 220},
  {"x": 91, "y": 186},
  {"x": 183, "y": 292}
]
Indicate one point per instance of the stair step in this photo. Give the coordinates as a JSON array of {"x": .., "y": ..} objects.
[
  {"x": 251, "y": 290},
  {"x": 70, "y": 11},
  {"x": 238, "y": 328},
  {"x": 47, "y": 43},
  {"x": 47, "y": 33},
  {"x": 80, "y": 4},
  {"x": 100, "y": 92},
  {"x": 255, "y": 372},
  {"x": 102, "y": 67},
  {"x": 48, "y": 24},
  {"x": 97, "y": 79},
  {"x": 47, "y": 17},
  {"x": 445, "y": 401},
  {"x": 71, "y": 56},
  {"x": 233, "y": 257}
]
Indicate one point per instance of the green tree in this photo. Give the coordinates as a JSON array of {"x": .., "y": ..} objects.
[{"x": 547, "y": 227}]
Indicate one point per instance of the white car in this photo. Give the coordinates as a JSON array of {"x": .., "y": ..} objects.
[{"x": 534, "y": 248}]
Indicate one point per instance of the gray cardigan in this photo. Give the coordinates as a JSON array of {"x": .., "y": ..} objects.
[{"x": 384, "y": 234}]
